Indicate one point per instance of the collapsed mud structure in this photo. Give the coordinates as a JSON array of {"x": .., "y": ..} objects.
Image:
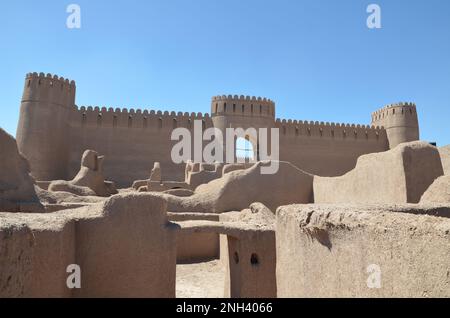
[
  {"x": 445, "y": 155},
  {"x": 138, "y": 238},
  {"x": 89, "y": 181},
  {"x": 17, "y": 189},
  {"x": 380, "y": 228}
]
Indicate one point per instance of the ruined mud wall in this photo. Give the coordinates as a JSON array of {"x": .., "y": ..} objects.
[
  {"x": 445, "y": 157},
  {"x": 196, "y": 247},
  {"x": 327, "y": 149},
  {"x": 124, "y": 247},
  {"x": 338, "y": 251},
  {"x": 131, "y": 141},
  {"x": 17, "y": 191},
  {"x": 400, "y": 175}
]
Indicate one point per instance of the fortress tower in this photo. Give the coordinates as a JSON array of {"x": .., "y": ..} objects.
[
  {"x": 242, "y": 112},
  {"x": 43, "y": 131},
  {"x": 400, "y": 122}
]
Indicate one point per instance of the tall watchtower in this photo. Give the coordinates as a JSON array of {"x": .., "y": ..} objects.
[
  {"x": 400, "y": 122},
  {"x": 43, "y": 134},
  {"x": 242, "y": 112}
]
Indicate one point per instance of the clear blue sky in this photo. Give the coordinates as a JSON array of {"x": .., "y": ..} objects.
[{"x": 317, "y": 59}]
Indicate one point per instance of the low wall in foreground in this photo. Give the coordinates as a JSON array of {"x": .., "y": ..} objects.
[
  {"x": 445, "y": 158},
  {"x": 400, "y": 175},
  {"x": 345, "y": 251},
  {"x": 196, "y": 247},
  {"x": 125, "y": 248},
  {"x": 249, "y": 257}
]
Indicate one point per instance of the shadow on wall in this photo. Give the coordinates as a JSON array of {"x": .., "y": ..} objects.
[
  {"x": 400, "y": 175},
  {"x": 376, "y": 251},
  {"x": 127, "y": 238},
  {"x": 17, "y": 193}
]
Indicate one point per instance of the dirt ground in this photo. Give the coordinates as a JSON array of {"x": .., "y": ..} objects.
[{"x": 200, "y": 280}]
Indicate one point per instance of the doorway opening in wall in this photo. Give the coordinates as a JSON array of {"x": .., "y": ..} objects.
[
  {"x": 201, "y": 279},
  {"x": 245, "y": 150},
  {"x": 201, "y": 269}
]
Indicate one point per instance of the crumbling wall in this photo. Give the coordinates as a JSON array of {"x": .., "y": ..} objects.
[
  {"x": 110, "y": 132},
  {"x": 17, "y": 191},
  {"x": 288, "y": 185},
  {"x": 445, "y": 157},
  {"x": 196, "y": 247},
  {"x": 125, "y": 247},
  {"x": 89, "y": 181},
  {"x": 249, "y": 254},
  {"x": 54, "y": 246},
  {"x": 400, "y": 175},
  {"x": 130, "y": 254},
  {"x": 350, "y": 251},
  {"x": 37, "y": 248},
  {"x": 250, "y": 259},
  {"x": 438, "y": 192},
  {"x": 15, "y": 258},
  {"x": 251, "y": 265},
  {"x": 328, "y": 149}
]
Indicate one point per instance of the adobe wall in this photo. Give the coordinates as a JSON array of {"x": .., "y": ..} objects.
[
  {"x": 123, "y": 250},
  {"x": 17, "y": 193},
  {"x": 438, "y": 192},
  {"x": 251, "y": 266},
  {"x": 131, "y": 141},
  {"x": 327, "y": 149},
  {"x": 196, "y": 247},
  {"x": 400, "y": 175},
  {"x": 445, "y": 158},
  {"x": 400, "y": 121},
  {"x": 331, "y": 250},
  {"x": 250, "y": 257},
  {"x": 53, "y": 133},
  {"x": 42, "y": 131},
  {"x": 15, "y": 256},
  {"x": 287, "y": 186},
  {"x": 250, "y": 260}
]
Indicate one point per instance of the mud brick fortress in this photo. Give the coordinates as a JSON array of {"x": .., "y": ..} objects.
[
  {"x": 53, "y": 133},
  {"x": 352, "y": 211}
]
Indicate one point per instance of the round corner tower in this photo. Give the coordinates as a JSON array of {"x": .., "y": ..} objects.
[
  {"x": 43, "y": 129},
  {"x": 400, "y": 122},
  {"x": 242, "y": 112}
]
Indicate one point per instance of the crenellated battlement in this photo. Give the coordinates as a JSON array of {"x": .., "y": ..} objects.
[
  {"x": 400, "y": 121},
  {"x": 403, "y": 108},
  {"x": 51, "y": 79},
  {"x": 242, "y": 98},
  {"x": 242, "y": 106},
  {"x": 135, "y": 118},
  {"x": 49, "y": 89},
  {"x": 327, "y": 130}
]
